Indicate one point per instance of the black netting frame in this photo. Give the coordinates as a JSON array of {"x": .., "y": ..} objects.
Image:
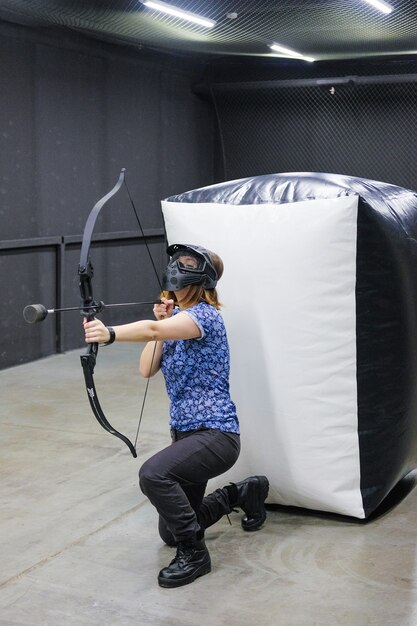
[{"x": 364, "y": 127}]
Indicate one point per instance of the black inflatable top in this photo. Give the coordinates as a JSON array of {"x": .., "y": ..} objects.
[{"x": 390, "y": 201}]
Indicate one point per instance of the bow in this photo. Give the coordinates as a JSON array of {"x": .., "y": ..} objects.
[{"x": 90, "y": 307}]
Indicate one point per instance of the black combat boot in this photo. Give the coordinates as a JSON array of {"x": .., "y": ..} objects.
[
  {"x": 191, "y": 561},
  {"x": 250, "y": 496}
]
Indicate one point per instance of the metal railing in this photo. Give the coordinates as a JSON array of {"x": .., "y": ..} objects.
[{"x": 60, "y": 245}]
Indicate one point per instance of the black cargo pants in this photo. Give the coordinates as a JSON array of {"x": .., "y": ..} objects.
[{"x": 175, "y": 480}]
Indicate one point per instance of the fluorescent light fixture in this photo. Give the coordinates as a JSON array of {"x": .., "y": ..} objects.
[
  {"x": 380, "y": 5},
  {"x": 291, "y": 53},
  {"x": 157, "y": 5}
]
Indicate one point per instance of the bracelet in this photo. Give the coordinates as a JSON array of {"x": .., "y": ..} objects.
[{"x": 112, "y": 336}]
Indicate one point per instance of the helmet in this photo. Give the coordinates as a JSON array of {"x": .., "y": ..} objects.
[{"x": 198, "y": 271}]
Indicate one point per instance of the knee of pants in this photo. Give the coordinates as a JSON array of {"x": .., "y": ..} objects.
[{"x": 148, "y": 476}]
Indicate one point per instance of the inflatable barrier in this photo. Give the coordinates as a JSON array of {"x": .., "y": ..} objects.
[{"x": 320, "y": 303}]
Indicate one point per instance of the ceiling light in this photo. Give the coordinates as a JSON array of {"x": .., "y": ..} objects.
[
  {"x": 291, "y": 53},
  {"x": 184, "y": 15},
  {"x": 380, "y": 5}
]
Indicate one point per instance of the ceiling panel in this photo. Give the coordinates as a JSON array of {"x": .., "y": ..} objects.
[{"x": 324, "y": 30}]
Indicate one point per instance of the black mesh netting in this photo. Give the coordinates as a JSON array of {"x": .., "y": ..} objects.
[
  {"x": 367, "y": 129},
  {"x": 323, "y": 29}
]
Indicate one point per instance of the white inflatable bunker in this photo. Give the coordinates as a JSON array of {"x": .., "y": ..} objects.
[{"x": 320, "y": 304}]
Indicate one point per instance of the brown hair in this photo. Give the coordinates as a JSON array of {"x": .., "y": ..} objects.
[{"x": 197, "y": 293}]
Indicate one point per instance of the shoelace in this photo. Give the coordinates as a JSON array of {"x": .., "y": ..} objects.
[{"x": 184, "y": 553}]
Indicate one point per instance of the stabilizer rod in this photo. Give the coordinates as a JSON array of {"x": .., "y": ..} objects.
[{"x": 34, "y": 313}]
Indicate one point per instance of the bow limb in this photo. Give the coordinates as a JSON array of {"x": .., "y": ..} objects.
[
  {"x": 91, "y": 220},
  {"x": 88, "y": 362},
  {"x": 90, "y": 308}
]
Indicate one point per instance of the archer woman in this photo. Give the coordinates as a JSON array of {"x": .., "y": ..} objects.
[{"x": 188, "y": 342}]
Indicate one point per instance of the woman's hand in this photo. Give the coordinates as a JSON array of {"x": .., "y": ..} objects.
[
  {"x": 164, "y": 310},
  {"x": 95, "y": 331}
]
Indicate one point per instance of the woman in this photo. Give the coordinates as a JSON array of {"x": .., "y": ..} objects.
[{"x": 188, "y": 343}]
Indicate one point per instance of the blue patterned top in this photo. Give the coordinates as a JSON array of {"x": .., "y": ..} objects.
[{"x": 196, "y": 375}]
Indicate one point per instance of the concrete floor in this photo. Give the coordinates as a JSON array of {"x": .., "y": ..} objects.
[{"x": 79, "y": 544}]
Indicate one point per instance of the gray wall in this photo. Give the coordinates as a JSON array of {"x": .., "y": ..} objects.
[{"x": 73, "y": 112}]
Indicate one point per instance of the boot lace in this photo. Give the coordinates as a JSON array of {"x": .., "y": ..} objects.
[{"x": 184, "y": 553}]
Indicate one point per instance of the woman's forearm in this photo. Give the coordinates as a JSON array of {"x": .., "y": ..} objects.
[
  {"x": 143, "y": 330},
  {"x": 150, "y": 359}
]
